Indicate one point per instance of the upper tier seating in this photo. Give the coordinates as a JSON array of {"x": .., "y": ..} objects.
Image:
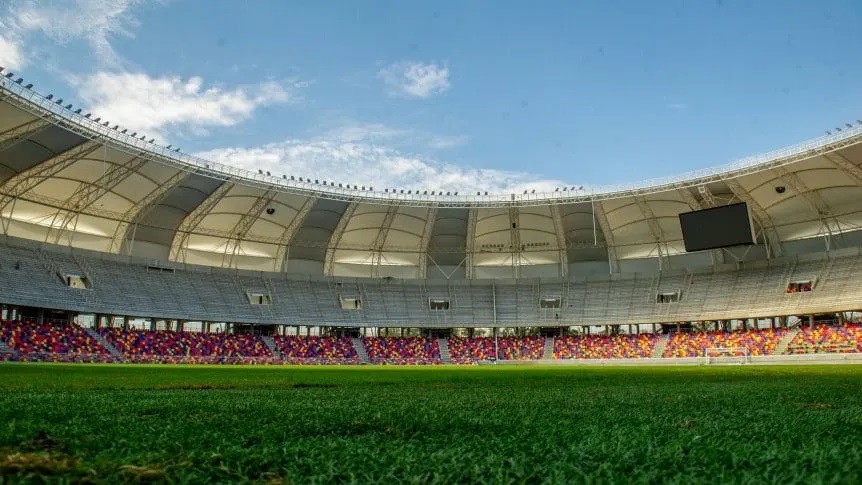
[
  {"x": 465, "y": 350},
  {"x": 622, "y": 346},
  {"x": 693, "y": 344},
  {"x": 402, "y": 350},
  {"x": 827, "y": 338},
  {"x": 316, "y": 350}
]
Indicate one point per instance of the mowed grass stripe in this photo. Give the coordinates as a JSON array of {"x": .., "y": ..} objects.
[{"x": 732, "y": 424}]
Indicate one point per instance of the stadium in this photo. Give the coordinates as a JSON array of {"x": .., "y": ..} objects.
[
  {"x": 117, "y": 237},
  {"x": 319, "y": 288}
]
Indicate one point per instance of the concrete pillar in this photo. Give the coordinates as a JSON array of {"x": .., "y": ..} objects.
[{"x": 810, "y": 321}]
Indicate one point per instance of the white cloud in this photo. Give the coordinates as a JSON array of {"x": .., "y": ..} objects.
[
  {"x": 361, "y": 161},
  {"x": 95, "y": 21},
  {"x": 677, "y": 106},
  {"x": 11, "y": 56},
  {"x": 152, "y": 104},
  {"x": 415, "y": 79}
]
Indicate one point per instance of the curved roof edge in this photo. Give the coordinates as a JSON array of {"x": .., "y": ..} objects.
[{"x": 42, "y": 107}]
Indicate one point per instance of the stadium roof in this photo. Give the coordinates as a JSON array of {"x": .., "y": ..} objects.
[{"x": 71, "y": 180}]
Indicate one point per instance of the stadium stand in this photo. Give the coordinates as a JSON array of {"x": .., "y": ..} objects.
[
  {"x": 187, "y": 347},
  {"x": 466, "y": 350},
  {"x": 622, "y": 346},
  {"x": 124, "y": 286},
  {"x": 316, "y": 350},
  {"x": 402, "y": 350},
  {"x": 827, "y": 339},
  {"x": 693, "y": 344},
  {"x": 52, "y": 343}
]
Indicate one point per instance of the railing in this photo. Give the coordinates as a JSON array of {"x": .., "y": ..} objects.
[{"x": 42, "y": 107}]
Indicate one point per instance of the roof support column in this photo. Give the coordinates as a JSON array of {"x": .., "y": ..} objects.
[
  {"x": 473, "y": 214},
  {"x": 560, "y": 233},
  {"x": 178, "y": 246},
  {"x": 426, "y": 240},
  {"x": 601, "y": 217},
  {"x": 764, "y": 222},
  {"x": 122, "y": 229},
  {"x": 280, "y": 263},
  {"x": 240, "y": 230},
  {"x": 515, "y": 233},
  {"x": 335, "y": 239}
]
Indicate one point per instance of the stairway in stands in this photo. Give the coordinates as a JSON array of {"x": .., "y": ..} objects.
[
  {"x": 360, "y": 350},
  {"x": 445, "y": 356},
  {"x": 781, "y": 348},
  {"x": 660, "y": 344},
  {"x": 102, "y": 340},
  {"x": 270, "y": 343},
  {"x": 4, "y": 349},
  {"x": 549, "y": 348}
]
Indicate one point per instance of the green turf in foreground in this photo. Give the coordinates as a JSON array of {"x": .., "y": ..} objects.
[{"x": 423, "y": 425}]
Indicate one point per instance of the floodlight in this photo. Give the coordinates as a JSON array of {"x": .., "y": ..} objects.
[
  {"x": 29, "y": 86},
  {"x": 177, "y": 149},
  {"x": 838, "y": 128},
  {"x": 98, "y": 119},
  {"x": 486, "y": 192},
  {"x": 124, "y": 131},
  {"x": 68, "y": 106},
  {"x": 284, "y": 176},
  {"x": 49, "y": 97},
  {"x": 581, "y": 187},
  {"x": 151, "y": 140},
  {"x": 59, "y": 101},
  {"x": 10, "y": 75},
  {"x": 456, "y": 193},
  {"x": 19, "y": 80},
  {"x": 848, "y": 125},
  {"x": 292, "y": 177},
  {"x": 87, "y": 115},
  {"x": 268, "y": 174},
  {"x": 78, "y": 111},
  {"x": 828, "y": 132},
  {"x": 1, "y": 68},
  {"x": 859, "y": 122},
  {"x": 565, "y": 189},
  {"x": 260, "y": 171}
]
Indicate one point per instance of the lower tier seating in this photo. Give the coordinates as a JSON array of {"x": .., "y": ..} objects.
[
  {"x": 604, "y": 346},
  {"x": 465, "y": 350},
  {"x": 316, "y": 350},
  {"x": 402, "y": 350},
  {"x": 827, "y": 338},
  {"x": 137, "y": 344},
  {"x": 694, "y": 344},
  {"x": 69, "y": 341}
]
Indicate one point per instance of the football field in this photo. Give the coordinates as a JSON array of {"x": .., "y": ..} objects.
[{"x": 718, "y": 424}]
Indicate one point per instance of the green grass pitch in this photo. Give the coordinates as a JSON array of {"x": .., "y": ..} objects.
[{"x": 722, "y": 424}]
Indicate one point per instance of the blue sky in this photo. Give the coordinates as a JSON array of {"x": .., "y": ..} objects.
[{"x": 452, "y": 95}]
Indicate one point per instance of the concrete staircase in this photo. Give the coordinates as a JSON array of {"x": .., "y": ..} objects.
[
  {"x": 549, "y": 348},
  {"x": 270, "y": 344},
  {"x": 781, "y": 348},
  {"x": 445, "y": 356},
  {"x": 660, "y": 345},
  {"x": 4, "y": 349},
  {"x": 360, "y": 350},
  {"x": 102, "y": 340}
]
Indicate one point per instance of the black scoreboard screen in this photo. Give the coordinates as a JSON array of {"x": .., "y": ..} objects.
[{"x": 717, "y": 227}]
